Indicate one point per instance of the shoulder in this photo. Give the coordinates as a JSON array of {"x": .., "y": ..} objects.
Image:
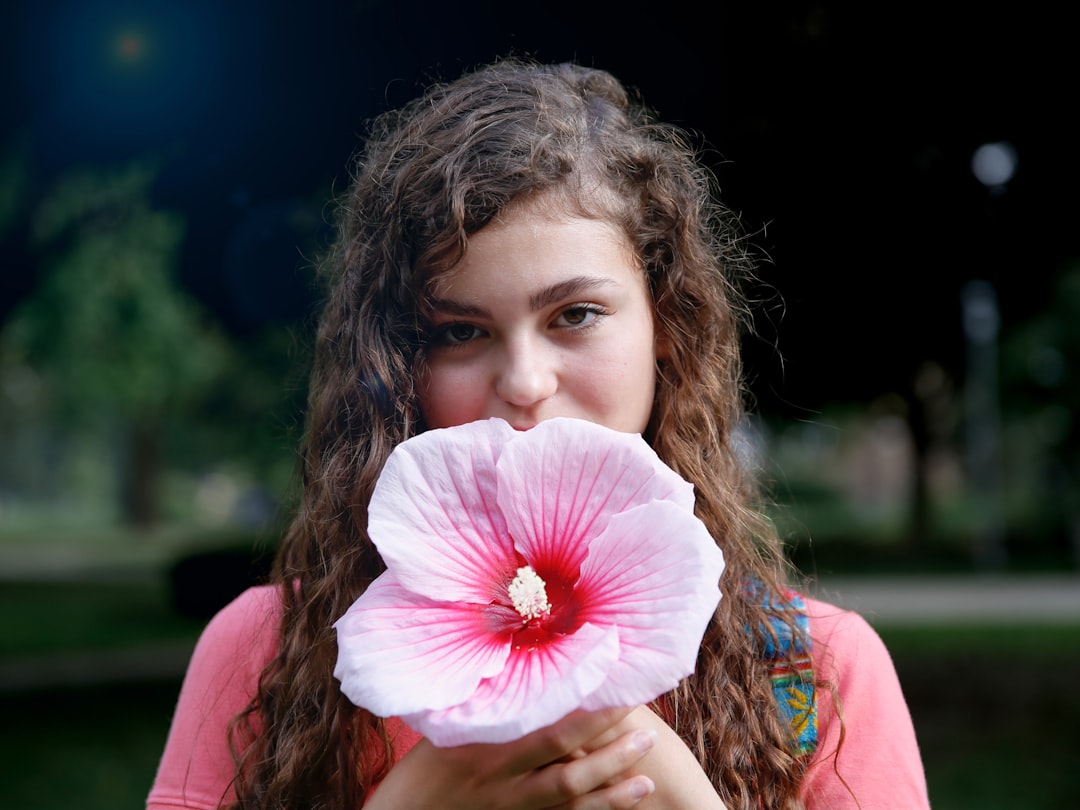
[
  {"x": 864, "y": 719},
  {"x": 850, "y": 655},
  {"x": 249, "y": 624},
  {"x": 840, "y": 632},
  {"x": 196, "y": 767},
  {"x": 253, "y": 610},
  {"x": 237, "y": 643}
]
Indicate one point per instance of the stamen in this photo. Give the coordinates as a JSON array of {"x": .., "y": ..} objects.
[{"x": 529, "y": 594}]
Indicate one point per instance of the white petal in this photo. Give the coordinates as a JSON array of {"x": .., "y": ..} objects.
[
  {"x": 655, "y": 575},
  {"x": 399, "y": 652},
  {"x": 434, "y": 517},
  {"x": 535, "y": 689},
  {"x": 561, "y": 482}
]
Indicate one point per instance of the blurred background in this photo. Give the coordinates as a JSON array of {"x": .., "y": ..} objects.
[{"x": 907, "y": 174}]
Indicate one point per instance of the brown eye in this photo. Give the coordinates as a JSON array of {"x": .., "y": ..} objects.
[
  {"x": 577, "y": 316},
  {"x": 458, "y": 333},
  {"x": 580, "y": 315}
]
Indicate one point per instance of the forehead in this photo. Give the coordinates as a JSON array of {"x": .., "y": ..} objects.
[{"x": 543, "y": 229}]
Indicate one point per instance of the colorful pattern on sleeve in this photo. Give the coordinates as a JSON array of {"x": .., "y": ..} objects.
[{"x": 791, "y": 665}]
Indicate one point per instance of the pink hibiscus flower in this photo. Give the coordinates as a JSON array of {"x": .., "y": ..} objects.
[{"x": 528, "y": 574}]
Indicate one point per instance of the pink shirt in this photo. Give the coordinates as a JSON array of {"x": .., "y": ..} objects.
[{"x": 878, "y": 767}]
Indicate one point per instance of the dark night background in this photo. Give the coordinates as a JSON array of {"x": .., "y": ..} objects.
[{"x": 842, "y": 131}]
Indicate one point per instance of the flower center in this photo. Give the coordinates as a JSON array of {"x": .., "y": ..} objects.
[{"x": 529, "y": 594}]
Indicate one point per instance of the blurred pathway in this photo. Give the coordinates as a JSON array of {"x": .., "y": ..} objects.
[
  {"x": 972, "y": 598},
  {"x": 899, "y": 600}
]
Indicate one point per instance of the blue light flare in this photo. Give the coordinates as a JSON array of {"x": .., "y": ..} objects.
[{"x": 116, "y": 78}]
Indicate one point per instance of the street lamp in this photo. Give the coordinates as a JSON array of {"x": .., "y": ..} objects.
[{"x": 993, "y": 164}]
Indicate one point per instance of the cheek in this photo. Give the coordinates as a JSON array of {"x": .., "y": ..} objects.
[
  {"x": 449, "y": 398},
  {"x": 623, "y": 386}
]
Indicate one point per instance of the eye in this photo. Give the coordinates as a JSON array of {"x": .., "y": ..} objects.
[
  {"x": 580, "y": 315},
  {"x": 454, "y": 333}
]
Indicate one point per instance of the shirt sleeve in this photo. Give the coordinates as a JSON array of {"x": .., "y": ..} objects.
[
  {"x": 196, "y": 768},
  {"x": 867, "y": 753}
]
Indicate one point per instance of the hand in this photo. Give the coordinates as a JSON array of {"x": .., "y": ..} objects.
[
  {"x": 578, "y": 763},
  {"x": 677, "y": 776}
]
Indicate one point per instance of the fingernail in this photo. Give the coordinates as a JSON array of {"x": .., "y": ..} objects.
[
  {"x": 643, "y": 740},
  {"x": 641, "y": 787}
]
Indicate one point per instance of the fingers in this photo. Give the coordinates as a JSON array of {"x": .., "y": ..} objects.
[
  {"x": 599, "y": 779},
  {"x": 560, "y": 739},
  {"x": 622, "y": 796},
  {"x": 586, "y": 761}
]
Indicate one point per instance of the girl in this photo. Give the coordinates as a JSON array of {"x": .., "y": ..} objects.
[{"x": 528, "y": 242}]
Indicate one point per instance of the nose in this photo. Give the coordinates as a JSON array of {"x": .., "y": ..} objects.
[{"x": 527, "y": 373}]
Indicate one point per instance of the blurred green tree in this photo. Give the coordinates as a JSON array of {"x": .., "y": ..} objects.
[
  {"x": 113, "y": 339},
  {"x": 1041, "y": 381}
]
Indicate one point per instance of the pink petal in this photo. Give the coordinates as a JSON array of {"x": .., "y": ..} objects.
[
  {"x": 655, "y": 575},
  {"x": 434, "y": 518},
  {"x": 536, "y": 688},
  {"x": 561, "y": 482},
  {"x": 399, "y": 652}
]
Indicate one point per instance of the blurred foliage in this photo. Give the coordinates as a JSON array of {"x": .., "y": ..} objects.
[
  {"x": 108, "y": 327},
  {"x": 886, "y": 485},
  {"x": 107, "y": 335},
  {"x": 1042, "y": 393},
  {"x": 116, "y": 383}
]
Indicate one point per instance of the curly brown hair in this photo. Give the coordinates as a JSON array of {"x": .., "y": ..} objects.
[{"x": 431, "y": 174}]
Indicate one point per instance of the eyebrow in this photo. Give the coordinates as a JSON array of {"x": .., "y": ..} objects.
[
  {"x": 537, "y": 300},
  {"x": 564, "y": 289}
]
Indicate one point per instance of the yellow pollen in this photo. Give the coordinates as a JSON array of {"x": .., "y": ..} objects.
[{"x": 529, "y": 594}]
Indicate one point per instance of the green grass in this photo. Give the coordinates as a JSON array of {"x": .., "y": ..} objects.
[
  {"x": 85, "y": 747},
  {"x": 90, "y": 749},
  {"x": 50, "y": 617},
  {"x": 996, "y": 711},
  {"x": 1033, "y": 644}
]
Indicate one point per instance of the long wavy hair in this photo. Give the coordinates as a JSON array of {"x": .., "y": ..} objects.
[{"x": 431, "y": 174}]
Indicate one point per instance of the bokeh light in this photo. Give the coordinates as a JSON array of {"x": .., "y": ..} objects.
[
  {"x": 130, "y": 46},
  {"x": 109, "y": 80},
  {"x": 994, "y": 163}
]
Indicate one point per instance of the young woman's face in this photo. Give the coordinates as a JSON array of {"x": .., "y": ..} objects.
[{"x": 544, "y": 316}]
